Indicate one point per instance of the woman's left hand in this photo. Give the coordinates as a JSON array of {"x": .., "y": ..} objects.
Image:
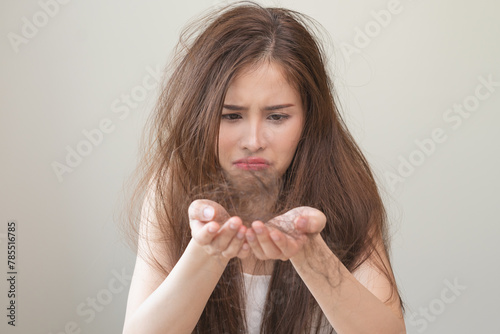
[{"x": 268, "y": 242}]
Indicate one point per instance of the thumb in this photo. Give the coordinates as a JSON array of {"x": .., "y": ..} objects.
[{"x": 205, "y": 210}]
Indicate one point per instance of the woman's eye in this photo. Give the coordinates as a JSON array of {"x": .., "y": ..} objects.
[
  {"x": 231, "y": 117},
  {"x": 277, "y": 117}
]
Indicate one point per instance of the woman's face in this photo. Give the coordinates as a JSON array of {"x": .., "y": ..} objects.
[{"x": 262, "y": 121}]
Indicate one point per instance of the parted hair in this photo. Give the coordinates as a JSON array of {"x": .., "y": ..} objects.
[{"x": 328, "y": 171}]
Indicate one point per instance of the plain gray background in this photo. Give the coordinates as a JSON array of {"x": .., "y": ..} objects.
[{"x": 401, "y": 79}]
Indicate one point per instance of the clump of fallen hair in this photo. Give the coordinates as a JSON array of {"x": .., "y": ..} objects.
[{"x": 252, "y": 196}]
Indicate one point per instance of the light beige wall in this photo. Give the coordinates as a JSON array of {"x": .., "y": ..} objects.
[{"x": 401, "y": 79}]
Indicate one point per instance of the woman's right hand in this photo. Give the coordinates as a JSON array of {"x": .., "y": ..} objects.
[{"x": 218, "y": 233}]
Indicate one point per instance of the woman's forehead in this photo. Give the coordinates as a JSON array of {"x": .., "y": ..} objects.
[{"x": 270, "y": 75}]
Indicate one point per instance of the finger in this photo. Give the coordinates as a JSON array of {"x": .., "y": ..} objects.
[
  {"x": 226, "y": 234},
  {"x": 266, "y": 243},
  {"x": 310, "y": 221},
  {"x": 235, "y": 244},
  {"x": 244, "y": 251},
  {"x": 284, "y": 243},
  {"x": 204, "y": 233},
  {"x": 254, "y": 244}
]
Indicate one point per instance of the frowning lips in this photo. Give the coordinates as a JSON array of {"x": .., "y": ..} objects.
[{"x": 252, "y": 163}]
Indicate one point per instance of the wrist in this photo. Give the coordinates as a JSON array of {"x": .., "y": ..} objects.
[{"x": 310, "y": 251}]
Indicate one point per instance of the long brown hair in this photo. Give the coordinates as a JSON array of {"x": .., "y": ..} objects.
[{"x": 328, "y": 171}]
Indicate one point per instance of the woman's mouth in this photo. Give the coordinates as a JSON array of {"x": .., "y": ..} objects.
[{"x": 252, "y": 163}]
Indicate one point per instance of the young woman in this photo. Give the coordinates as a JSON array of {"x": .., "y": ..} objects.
[{"x": 249, "y": 98}]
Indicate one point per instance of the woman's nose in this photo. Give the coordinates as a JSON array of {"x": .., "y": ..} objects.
[{"x": 254, "y": 137}]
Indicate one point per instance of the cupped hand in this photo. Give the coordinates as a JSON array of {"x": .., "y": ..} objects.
[
  {"x": 285, "y": 236},
  {"x": 218, "y": 233}
]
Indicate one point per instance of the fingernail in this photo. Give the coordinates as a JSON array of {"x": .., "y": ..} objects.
[
  {"x": 233, "y": 225},
  {"x": 245, "y": 246},
  {"x": 301, "y": 223},
  {"x": 250, "y": 237},
  {"x": 240, "y": 235},
  {"x": 275, "y": 237},
  {"x": 208, "y": 212},
  {"x": 212, "y": 229},
  {"x": 258, "y": 230}
]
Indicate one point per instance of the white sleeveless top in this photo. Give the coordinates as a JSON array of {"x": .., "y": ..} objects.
[{"x": 256, "y": 287}]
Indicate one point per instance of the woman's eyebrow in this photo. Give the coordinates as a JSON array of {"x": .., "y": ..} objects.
[{"x": 274, "y": 107}]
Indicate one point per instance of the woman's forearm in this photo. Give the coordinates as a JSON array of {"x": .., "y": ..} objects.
[
  {"x": 176, "y": 305},
  {"x": 348, "y": 305}
]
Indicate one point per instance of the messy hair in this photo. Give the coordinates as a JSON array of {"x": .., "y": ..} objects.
[{"x": 328, "y": 171}]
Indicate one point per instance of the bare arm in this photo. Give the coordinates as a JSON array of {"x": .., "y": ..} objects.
[
  {"x": 354, "y": 303},
  {"x": 174, "y": 304}
]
